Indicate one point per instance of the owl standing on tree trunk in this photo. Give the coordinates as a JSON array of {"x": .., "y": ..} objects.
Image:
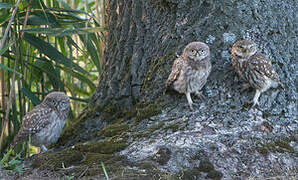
[
  {"x": 254, "y": 68},
  {"x": 45, "y": 122},
  {"x": 190, "y": 71}
]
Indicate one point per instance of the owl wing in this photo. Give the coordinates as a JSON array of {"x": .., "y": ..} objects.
[
  {"x": 34, "y": 121},
  {"x": 262, "y": 65},
  {"x": 176, "y": 70}
]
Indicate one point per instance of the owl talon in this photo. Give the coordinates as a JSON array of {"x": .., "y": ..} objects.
[
  {"x": 44, "y": 148},
  {"x": 192, "y": 106},
  {"x": 253, "y": 105},
  {"x": 200, "y": 96}
]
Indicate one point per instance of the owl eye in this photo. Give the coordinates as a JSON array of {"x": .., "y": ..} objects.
[
  {"x": 193, "y": 51},
  {"x": 64, "y": 103}
]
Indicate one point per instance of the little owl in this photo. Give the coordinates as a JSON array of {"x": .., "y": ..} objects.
[
  {"x": 191, "y": 70},
  {"x": 45, "y": 122},
  {"x": 254, "y": 68}
]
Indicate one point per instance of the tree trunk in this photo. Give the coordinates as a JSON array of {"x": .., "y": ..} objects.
[
  {"x": 129, "y": 113},
  {"x": 141, "y": 34}
]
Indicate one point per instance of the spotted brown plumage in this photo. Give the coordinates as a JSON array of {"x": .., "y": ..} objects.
[
  {"x": 191, "y": 70},
  {"x": 254, "y": 68},
  {"x": 45, "y": 122}
]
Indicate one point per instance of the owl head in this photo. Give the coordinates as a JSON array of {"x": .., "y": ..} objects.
[
  {"x": 57, "y": 100},
  {"x": 196, "y": 51},
  {"x": 244, "y": 49}
]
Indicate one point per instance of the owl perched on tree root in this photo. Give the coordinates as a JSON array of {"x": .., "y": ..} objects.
[
  {"x": 190, "y": 71},
  {"x": 254, "y": 68},
  {"x": 45, "y": 122}
]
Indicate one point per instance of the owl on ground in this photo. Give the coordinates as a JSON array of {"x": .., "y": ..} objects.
[
  {"x": 45, "y": 122},
  {"x": 254, "y": 68},
  {"x": 190, "y": 71}
]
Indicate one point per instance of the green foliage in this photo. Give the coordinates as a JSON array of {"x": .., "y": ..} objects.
[
  {"x": 11, "y": 165},
  {"x": 104, "y": 170},
  {"x": 46, "y": 48}
]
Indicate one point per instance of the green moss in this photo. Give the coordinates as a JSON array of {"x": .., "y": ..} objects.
[
  {"x": 142, "y": 135},
  {"x": 148, "y": 132},
  {"x": 156, "y": 127},
  {"x": 156, "y": 66},
  {"x": 84, "y": 155},
  {"x": 105, "y": 147},
  {"x": 146, "y": 111},
  {"x": 263, "y": 150},
  {"x": 94, "y": 158},
  {"x": 76, "y": 163},
  {"x": 186, "y": 175},
  {"x": 141, "y": 111},
  {"x": 128, "y": 115},
  {"x": 113, "y": 130},
  {"x": 280, "y": 146},
  {"x": 268, "y": 115},
  {"x": 67, "y": 157},
  {"x": 205, "y": 166},
  {"x": 214, "y": 175},
  {"x": 173, "y": 127},
  {"x": 112, "y": 112},
  {"x": 285, "y": 145},
  {"x": 146, "y": 165}
]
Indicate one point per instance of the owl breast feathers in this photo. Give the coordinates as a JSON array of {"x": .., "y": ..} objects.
[
  {"x": 191, "y": 70},
  {"x": 45, "y": 122}
]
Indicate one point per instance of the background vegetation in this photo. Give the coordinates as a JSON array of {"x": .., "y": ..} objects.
[{"x": 46, "y": 46}]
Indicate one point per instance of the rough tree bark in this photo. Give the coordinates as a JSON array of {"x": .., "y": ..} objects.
[{"x": 129, "y": 121}]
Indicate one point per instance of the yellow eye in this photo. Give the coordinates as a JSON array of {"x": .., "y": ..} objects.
[{"x": 193, "y": 51}]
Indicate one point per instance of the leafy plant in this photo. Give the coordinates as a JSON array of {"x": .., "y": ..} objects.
[
  {"x": 11, "y": 165},
  {"x": 47, "y": 46}
]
